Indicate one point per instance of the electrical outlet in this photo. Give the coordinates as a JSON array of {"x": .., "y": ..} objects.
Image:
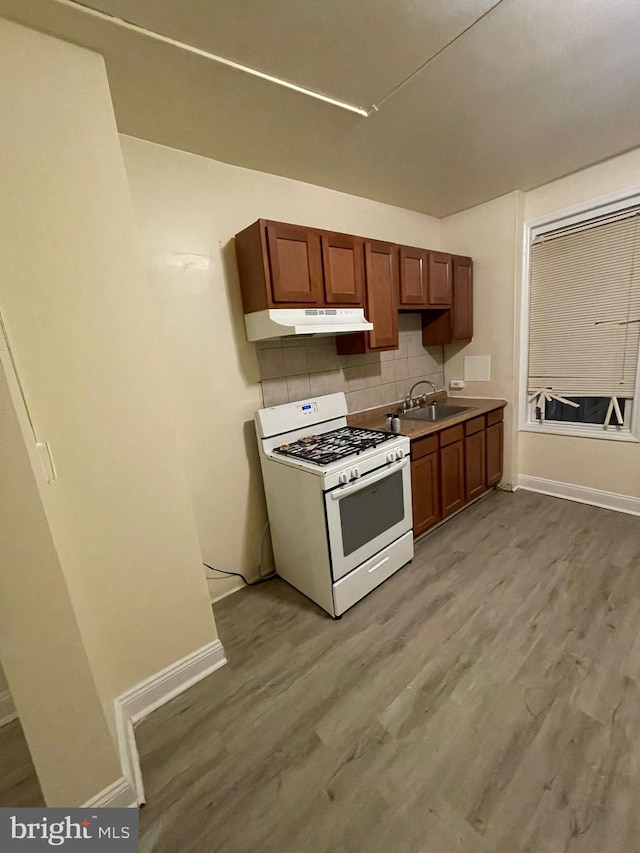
[{"x": 456, "y": 384}]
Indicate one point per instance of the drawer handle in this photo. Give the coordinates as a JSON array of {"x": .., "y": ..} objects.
[{"x": 377, "y": 565}]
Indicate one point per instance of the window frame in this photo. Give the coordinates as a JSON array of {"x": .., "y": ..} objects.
[{"x": 575, "y": 215}]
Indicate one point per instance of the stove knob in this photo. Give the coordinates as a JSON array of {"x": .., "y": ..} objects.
[
  {"x": 391, "y": 456},
  {"x": 355, "y": 473},
  {"x": 400, "y": 453},
  {"x": 343, "y": 477}
]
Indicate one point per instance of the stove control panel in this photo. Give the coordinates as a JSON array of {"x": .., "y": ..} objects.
[
  {"x": 392, "y": 455},
  {"x": 308, "y": 408},
  {"x": 347, "y": 476}
]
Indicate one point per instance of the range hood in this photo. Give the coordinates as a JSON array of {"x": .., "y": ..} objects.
[{"x": 283, "y": 322}]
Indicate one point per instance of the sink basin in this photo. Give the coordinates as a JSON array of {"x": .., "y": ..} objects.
[{"x": 435, "y": 413}]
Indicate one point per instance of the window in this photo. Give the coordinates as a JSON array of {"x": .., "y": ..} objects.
[{"x": 582, "y": 333}]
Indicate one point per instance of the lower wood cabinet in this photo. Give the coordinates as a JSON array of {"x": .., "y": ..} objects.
[
  {"x": 475, "y": 462},
  {"x": 452, "y": 478},
  {"x": 453, "y": 467},
  {"x": 495, "y": 439},
  {"x": 425, "y": 484}
]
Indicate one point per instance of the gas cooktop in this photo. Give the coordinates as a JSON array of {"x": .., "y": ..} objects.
[{"x": 331, "y": 446}]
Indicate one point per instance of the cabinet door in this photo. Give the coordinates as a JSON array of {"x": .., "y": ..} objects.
[
  {"x": 425, "y": 492},
  {"x": 414, "y": 271},
  {"x": 295, "y": 263},
  {"x": 495, "y": 435},
  {"x": 462, "y": 305},
  {"x": 452, "y": 478},
  {"x": 381, "y": 271},
  {"x": 475, "y": 465},
  {"x": 440, "y": 275},
  {"x": 456, "y": 324},
  {"x": 343, "y": 265}
]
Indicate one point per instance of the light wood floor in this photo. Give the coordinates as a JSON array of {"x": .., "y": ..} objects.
[
  {"x": 19, "y": 786},
  {"x": 486, "y": 698}
]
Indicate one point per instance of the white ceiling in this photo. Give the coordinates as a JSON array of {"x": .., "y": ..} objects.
[{"x": 529, "y": 91}]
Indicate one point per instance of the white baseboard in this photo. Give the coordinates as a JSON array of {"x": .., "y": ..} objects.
[
  {"x": 119, "y": 795},
  {"x": 8, "y": 711},
  {"x": 581, "y": 494},
  {"x": 151, "y": 694}
]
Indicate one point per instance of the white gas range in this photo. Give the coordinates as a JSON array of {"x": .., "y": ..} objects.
[{"x": 339, "y": 500}]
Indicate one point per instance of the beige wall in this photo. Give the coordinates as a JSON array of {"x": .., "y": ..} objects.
[
  {"x": 490, "y": 233},
  {"x": 188, "y": 209},
  {"x": 593, "y": 463},
  {"x": 3, "y": 681},
  {"x": 40, "y": 642},
  {"x": 79, "y": 317}
]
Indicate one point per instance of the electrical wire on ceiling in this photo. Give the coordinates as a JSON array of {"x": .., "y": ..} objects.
[
  {"x": 421, "y": 67},
  {"x": 127, "y": 25},
  {"x": 365, "y": 113}
]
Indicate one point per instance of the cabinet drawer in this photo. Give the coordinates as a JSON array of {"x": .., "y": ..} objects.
[
  {"x": 422, "y": 446},
  {"x": 371, "y": 574},
  {"x": 474, "y": 425},
  {"x": 448, "y": 436},
  {"x": 495, "y": 417}
]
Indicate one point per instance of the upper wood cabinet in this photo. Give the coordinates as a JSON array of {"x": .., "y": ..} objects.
[
  {"x": 462, "y": 303},
  {"x": 414, "y": 277},
  {"x": 425, "y": 278},
  {"x": 290, "y": 266},
  {"x": 440, "y": 275},
  {"x": 455, "y": 324},
  {"x": 343, "y": 266},
  {"x": 295, "y": 263},
  {"x": 381, "y": 302}
]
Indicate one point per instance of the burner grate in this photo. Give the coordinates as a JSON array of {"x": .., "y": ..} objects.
[{"x": 334, "y": 445}]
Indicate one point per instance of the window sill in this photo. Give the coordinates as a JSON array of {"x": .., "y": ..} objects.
[{"x": 575, "y": 431}]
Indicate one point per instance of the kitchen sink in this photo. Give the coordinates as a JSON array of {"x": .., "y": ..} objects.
[{"x": 439, "y": 412}]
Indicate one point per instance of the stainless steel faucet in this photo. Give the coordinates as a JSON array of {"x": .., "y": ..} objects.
[
  {"x": 422, "y": 382},
  {"x": 408, "y": 401}
]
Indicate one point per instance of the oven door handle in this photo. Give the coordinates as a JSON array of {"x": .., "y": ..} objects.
[{"x": 367, "y": 481}]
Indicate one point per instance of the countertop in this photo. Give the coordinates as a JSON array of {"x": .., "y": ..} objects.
[{"x": 376, "y": 418}]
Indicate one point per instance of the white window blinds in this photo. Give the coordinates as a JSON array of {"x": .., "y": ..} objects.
[{"x": 585, "y": 309}]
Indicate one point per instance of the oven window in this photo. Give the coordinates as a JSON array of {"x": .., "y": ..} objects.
[{"x": 366, "y": 514}]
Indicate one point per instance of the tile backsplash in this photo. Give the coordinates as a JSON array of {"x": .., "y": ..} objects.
[{"x": 297, "y": 368}]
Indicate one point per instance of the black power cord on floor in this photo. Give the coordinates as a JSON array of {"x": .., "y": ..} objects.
[
  {"x": 261, "y": 578},
  {"x": 239, "y": 575}
]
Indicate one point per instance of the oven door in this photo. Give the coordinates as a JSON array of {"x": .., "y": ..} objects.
[{"x": 368, "y": 514}]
